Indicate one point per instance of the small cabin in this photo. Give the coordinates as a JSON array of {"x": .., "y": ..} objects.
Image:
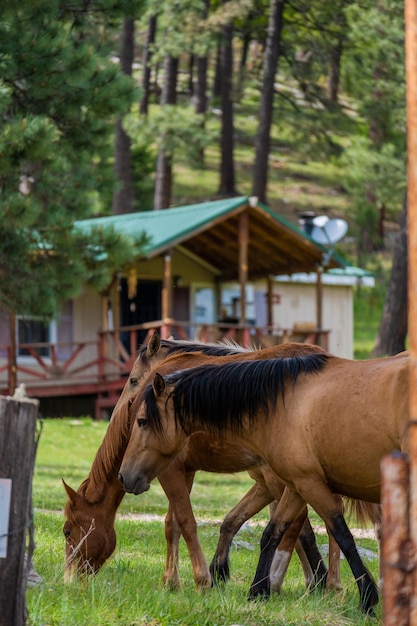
[{"x": 229, "y": 268}]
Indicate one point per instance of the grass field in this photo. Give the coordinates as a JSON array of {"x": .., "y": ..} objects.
[{"x": 128, "y": 590}]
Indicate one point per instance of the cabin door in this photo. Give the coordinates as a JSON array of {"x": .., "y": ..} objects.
[
  {"x": 181, "y": 307},
  {"x": 144, "y": 306}
]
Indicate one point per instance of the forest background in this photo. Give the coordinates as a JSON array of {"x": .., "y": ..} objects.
[{"x": 113, "y": 106}]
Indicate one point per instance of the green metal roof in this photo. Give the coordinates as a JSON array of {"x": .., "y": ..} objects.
[
  {"x": 167, "y": 227},
  {"x": 210, "y": 231},
  {"x": 351, "y": 270}
]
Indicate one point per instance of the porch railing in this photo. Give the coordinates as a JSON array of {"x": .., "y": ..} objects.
[{"x": 70, "y": 368}]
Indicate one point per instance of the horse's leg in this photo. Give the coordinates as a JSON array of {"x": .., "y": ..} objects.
[
  {"x": 172, "y": 536},
  {"x": 177, "y": 486},
  {"x": 308, "y": 542},
  {"x": 283, "y": 553},
  {"x": 311, "y": 560},
  {"x": 315, "y": 573},
  {"x": 257, "y": 498},
  {"x": 300, "y": 536},
  {"x": 288, "y": 509},
  {"x": 330, "y": 510},
  {"x": 334, "y": 581}
]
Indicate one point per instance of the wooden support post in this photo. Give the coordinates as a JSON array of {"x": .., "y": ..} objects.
[
  {"x": 12, "y": 373},
  {"x": 396, "y": 548},
  {"x": 319, "y": 299},
  {"x": 270, "y": 304},
  {"x": 17, "y": 460},
  {"x": 166, "y": 297},
  {"x": 243, "y": 269}
]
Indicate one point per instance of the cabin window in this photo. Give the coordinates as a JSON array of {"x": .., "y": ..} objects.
[
  {"x": 204, "y": 305},
  {"x": 35, "y": 331}
]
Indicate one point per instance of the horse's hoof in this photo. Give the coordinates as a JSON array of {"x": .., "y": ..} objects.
[
  {"x": 334, "y": 587},
  {"x": 172, "y": 584},
  {"x": 204, "y": 583},
  {"x": 220, "y": 574},
  {"x": 370, "y": 600},
  {"x": 257, "y": 592},
  {"x": 319, "y": 583}
]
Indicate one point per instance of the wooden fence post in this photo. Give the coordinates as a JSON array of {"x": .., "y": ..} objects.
[
  {"x": 18, "y": 419},
  {"x": 396, "y": 548},
  {"x": 410, "y": 14}
]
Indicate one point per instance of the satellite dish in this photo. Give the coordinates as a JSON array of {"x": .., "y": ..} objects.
[{"x": 328, "y": 231}]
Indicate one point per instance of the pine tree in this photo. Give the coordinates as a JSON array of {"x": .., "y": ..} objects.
[{"x": 60, "y": 94}]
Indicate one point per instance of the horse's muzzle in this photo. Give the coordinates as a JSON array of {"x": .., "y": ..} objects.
[{"x": 136, "y": 484}]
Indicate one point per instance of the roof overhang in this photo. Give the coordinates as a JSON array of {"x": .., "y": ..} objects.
[{"x": 210, "y": 232}]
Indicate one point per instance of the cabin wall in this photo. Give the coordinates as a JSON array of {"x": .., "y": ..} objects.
[{"x": 297, "y": 305}]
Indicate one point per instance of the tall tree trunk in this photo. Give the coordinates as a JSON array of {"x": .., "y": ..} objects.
[
  {"x": 334, "y": 72},
  {"x": 146, "y": 69},
  {"x": 262, "y": 142},
  {"x": 123, "y": 197},
  {"x": 227, "y": 166},
  {"x": 379, "y": 134},
  {"x": 191, "y": 65},
  {"x": 217, "y": 86},
  {"x": 200, "y": 98},
  {"x": 394, "y": 322},
  {"x": 336, "y": 51},
  {"x": 200, "y": 95},
  {"x": 163, "y": 183},
  {"x": 242, "y": 64},
  {"x": 200, "y": 89}
]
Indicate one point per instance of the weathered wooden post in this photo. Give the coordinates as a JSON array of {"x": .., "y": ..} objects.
[
  {"x": 399, "y": 494},
  {"x": 411, "y": 83},
  {"x": 18, "y": 419},
  {"x": 396, "y": 547}
]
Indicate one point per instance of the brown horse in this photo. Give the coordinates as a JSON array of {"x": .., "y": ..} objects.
[
  {"x": 90, "y": 511},
  {"x": 320, "y": 422}
]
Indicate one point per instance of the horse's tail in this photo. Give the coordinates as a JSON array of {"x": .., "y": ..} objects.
[{"x": 363, "y": 512}]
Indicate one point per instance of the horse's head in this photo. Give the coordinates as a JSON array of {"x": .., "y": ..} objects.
[
  {"x": 90, "y": 538},
  {"x": 89, "y": 527},
  {"x": 154, "y": 441}
]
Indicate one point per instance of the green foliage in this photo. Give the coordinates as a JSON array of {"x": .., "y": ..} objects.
[
  {"x": 143, "y": 166},
  {"x": 373, "y": 178},
  {"x": 173, "y": 127},
  {"x": 373, "y": 67},
  {"x": 60, "y": 93}
]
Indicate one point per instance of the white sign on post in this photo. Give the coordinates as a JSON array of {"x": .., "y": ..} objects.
[{"x": 5, "y": 497}]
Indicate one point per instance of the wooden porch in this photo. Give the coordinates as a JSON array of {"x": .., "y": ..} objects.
[{"x": 101, "y": 366}]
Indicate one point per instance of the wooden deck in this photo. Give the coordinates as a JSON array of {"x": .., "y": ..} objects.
[{"x": 100, "y": 367}]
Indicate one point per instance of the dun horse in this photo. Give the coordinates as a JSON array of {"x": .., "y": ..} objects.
[
  {"x": 320, "y": 422},
  {"x": 90, "y": 511}
]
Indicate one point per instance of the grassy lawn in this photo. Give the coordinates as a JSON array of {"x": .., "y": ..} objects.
[{"x": 128, "y": 590}]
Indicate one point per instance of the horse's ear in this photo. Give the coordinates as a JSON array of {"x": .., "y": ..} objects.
[
  {"x": 72, "y": 495},
  {"x": 153, "y": 345},
  {"x": 158, "y": 384}
]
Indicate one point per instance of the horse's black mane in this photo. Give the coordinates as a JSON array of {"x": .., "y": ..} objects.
[{"x": 220, "y": 397}]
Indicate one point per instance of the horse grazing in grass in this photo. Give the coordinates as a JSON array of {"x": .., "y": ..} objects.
[
  {"x": 90, "y": 511},
  {"x": 321, "y": 423}
]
